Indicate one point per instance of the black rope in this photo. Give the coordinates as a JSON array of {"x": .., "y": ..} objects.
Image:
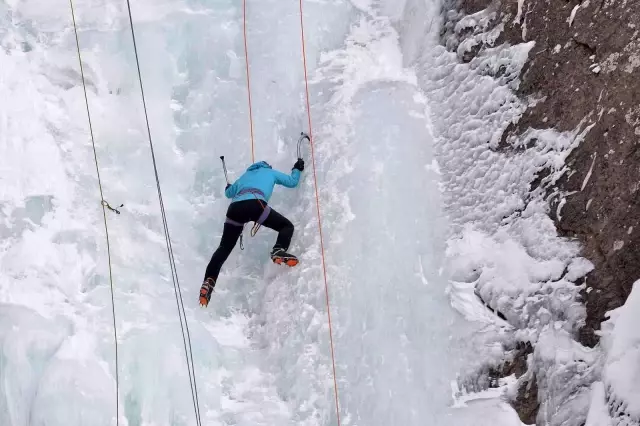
[
  {"x": 104, "y": 212},
  {"x": 174, "y": 274}
]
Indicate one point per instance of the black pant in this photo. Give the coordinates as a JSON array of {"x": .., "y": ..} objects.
[{"x": 243, "y": 212}]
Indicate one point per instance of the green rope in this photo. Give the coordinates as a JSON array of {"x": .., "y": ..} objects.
[
  {"x": 105, "y": 205},
  {"x": 186, "y": 337}
]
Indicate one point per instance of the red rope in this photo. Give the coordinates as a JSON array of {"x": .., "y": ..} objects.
[
  {"x": 315, "y": 181},
  {"x": 246, "y": 60}
]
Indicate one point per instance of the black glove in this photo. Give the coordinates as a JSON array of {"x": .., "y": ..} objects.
[
  {"x": 299, "y": 164},
  {"x": 227, "y": 187}
]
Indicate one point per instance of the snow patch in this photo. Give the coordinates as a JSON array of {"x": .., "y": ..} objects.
[
  {"x": 598, "y": 414},
  {"x": 588, "y": 176},
  {"x": 503, "y": 247},
  {"x": 573, "y": 14},
  {"x": 622, "y": 364}
]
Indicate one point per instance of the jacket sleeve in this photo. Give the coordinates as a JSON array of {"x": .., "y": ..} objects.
[
  {"x": 231, "y": 191},
  {"x": 290, "y": 181}
]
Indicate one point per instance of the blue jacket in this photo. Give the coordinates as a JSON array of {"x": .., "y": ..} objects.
[{"x": 262, "y": 177}]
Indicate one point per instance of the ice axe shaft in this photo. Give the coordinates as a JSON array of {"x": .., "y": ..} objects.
[
  {"x": 303, "y": 136},
  {"x": 224, "y": 167}
]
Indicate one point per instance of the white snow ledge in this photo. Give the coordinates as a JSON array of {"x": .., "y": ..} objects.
[{"x": 622, "y": 366}]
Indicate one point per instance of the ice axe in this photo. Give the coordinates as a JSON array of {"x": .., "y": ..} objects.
[
  {"x": 224, "y": 167},
  {"x": 302, "y": 137}
]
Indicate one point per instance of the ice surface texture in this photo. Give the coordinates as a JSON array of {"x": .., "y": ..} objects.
[
  {"x": 503, "y": 245},
  {"x": 261, "y": 348},
  {"x": 396, "y": 117}
]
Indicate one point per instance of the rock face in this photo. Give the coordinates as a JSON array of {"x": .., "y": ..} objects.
[
  {"x": 583, "y": 72},
  {"x": 585, "y": 66}
]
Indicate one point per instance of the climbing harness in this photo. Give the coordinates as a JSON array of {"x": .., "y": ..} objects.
[
  {"x": 266, "y": 210},
  {"x": 186, "y": 338},
  {"x": 105, "y": 204}
]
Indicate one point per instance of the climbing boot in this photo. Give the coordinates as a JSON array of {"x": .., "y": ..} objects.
[
  {"x": 206, "y": 290},
  {"x": 281, "y": 257}
]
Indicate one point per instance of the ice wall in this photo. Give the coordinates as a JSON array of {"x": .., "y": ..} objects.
[
  {"x": 261, "y": 349},
  {"x": 503, "y": 249}
]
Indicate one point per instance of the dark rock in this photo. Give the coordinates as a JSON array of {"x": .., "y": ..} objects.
[{"x": 585, "y": 73}]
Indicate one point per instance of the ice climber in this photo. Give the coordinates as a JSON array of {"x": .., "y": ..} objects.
[{"x": 249, "y": 197}]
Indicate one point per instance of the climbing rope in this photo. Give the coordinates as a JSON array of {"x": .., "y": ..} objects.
[
  {"x": 186, "y": 338},
  {"x": 105, "y": 205},
  {"x": 246, "y": 61},
  {"x": 315, "y": 181},
  {"x": 315, "y": 178}
]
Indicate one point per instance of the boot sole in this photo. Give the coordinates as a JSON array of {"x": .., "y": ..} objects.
[
  {"x": 204, "y": 300},
  {"x": 288, "y": 262}
]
